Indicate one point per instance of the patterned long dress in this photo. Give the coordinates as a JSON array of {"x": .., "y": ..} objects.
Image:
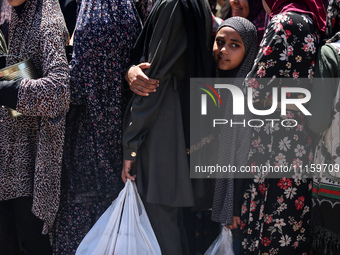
[
  {"x": 105, "y": 32},
  {"x": 275, "y": 211},
  {"x": 31, "y": 146}
]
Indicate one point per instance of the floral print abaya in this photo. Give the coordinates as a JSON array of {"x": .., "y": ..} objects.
[
  {"x": 105, "y": 32},
  {"x": 275, "y": 211}
]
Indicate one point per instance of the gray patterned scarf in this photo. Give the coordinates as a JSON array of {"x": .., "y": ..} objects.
[
  {"x": 233, "y": 143},
  {"x": 247, "y": 31}
]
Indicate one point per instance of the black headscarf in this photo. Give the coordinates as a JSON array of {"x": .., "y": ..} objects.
[{"x": 198, "y": 25}]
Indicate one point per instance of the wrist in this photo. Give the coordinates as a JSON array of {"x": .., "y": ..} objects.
[{"x": 127, "y": 74}]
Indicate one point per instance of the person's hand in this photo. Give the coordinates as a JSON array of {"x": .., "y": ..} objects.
[
  {"x": 334, "y": 38},
  {"x": 128, "y": 165},
  {"x": 139, "y": 83},
  {"x": 236, "y": 223}
]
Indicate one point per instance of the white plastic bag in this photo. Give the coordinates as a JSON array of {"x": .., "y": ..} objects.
[
  {"x": 223, "y": 244},
  {"x": 123, "y": 229}
]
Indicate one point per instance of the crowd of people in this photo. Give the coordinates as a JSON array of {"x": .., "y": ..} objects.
[{"x": 113, "y": 103}]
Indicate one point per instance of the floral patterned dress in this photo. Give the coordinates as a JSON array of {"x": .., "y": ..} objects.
[
  {"x": 105, "y": 32},
  {"x": 275, "y": 211}
]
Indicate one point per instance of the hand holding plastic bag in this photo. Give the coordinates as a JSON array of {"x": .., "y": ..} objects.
[
  {"x": 124, "y": 228},
  {"x": 223, "y": 244}
]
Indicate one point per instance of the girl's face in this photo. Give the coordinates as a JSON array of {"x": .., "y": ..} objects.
[
  {"x": 228, "y": 49},
  {"x": 239, "y": 8},
  {"x": 15, "y": 3}
]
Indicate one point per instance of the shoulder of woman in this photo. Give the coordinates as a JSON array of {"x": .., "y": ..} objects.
[{"x": 328, "y": 57}]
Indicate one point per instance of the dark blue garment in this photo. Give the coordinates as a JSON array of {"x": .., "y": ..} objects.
[{"x": 105, "y": 32}]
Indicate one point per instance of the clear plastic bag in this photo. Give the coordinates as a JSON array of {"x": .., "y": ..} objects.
[
  {"x": 223, "y": 244},
  {"x": 124, "y": 228}
]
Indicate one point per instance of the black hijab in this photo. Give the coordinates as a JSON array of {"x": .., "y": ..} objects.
[{"x": 198, "y": 25}]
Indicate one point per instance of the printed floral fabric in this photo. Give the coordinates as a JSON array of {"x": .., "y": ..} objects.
[
  {"x": 105, "y": 33},
  {"x": 275, "y": 211}
]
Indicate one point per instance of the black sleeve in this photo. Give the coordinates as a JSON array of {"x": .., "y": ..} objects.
[
  {"x": 166, "y": 45},
  {"x": 9, "y": 93},
  {"x": 238, "y": 195}
]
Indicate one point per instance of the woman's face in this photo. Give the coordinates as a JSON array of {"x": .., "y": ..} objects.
[
  {"x": 239, "y": 8},
  {"x": 15, "y": 3},
  {"x": 228, "y": 49}
]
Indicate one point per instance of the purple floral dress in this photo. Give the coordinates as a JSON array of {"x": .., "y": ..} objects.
[
  {"x": 275, "y": 211},
  {"x": 105, "y": 32}
]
